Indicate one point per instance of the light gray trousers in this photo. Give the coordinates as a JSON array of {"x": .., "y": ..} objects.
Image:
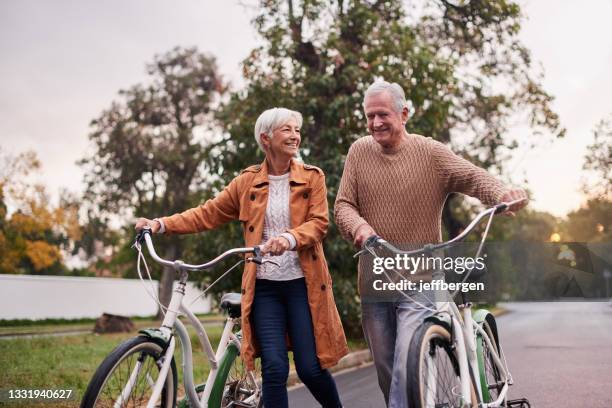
[{"x": 388, "y": 329}]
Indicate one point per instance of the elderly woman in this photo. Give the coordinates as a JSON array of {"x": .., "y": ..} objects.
[{"x": 282, "y": 204}]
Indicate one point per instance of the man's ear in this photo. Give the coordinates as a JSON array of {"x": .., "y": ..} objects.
[{"x": 405, "y": 115}]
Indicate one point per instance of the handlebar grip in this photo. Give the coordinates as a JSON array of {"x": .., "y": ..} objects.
[
  {"x": 141, "y": 234},
  {"x": 258, "y": 258},
  {"x": 500, "y": 208},
  {"x": 371, "y": 241}
]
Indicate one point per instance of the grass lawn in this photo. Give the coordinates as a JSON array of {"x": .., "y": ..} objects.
[
  {"x": 70, "y": 361},
  {"x": 52, "y": 326},
  {"x": 64, "y": 362}
]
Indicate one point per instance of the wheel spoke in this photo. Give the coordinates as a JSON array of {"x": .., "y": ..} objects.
[
  {"x": 436, "y": 368},
  {"x": 241, "y": 387},
  {"x": 127, "y": 376},
  {"x": 492, "y": 374}
]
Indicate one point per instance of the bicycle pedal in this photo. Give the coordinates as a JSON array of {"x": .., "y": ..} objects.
[{"x": 518, "y": 403}]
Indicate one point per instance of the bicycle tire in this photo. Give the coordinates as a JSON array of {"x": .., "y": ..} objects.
[
  {"x": 431, "y": 355},
  {"x": 490, "y": 377},
  {"x": 108, "y": 381}
]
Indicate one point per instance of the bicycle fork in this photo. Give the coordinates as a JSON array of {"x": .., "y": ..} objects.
[
  {"x": 465, "y": 397},
  {"x": 470, "y": 341}
]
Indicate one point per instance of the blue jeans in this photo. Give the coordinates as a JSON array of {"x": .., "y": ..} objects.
[
  {"x": 388, "y": 328},
  {"x": 281, "y": 307}
]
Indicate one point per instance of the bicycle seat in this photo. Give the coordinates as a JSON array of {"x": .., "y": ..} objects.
[{"x": 230, "y": 302}]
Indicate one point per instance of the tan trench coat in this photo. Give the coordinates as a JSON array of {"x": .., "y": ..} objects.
[{"x": 245, "y": 198}]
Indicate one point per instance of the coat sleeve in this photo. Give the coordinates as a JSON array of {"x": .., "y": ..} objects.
[
  {"x": 346, "y": 207},
  {"x": 213, "y": 213},
  {"x": 314, "y": 228},
  {"x": 461, "y": 176}
]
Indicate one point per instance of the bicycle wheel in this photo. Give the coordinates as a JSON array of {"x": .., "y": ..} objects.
[
  {"x": 139, "y": 360},
  {"x": 491, "y": 381},
  {"x": 235, "y": 386},
  {"x": 242, "y": 387},
  {"x": 433, "y": 369}
]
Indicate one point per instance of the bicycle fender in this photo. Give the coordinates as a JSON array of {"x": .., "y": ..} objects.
[
  {"x": 218, "y": 386},
  {"x": 157, "y": 335},
  {"x": 482, "y": 315},
  {"x": 441, "y": 319}
]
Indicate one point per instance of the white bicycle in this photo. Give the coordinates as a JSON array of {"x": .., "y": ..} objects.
[
  {"x": 455, "y": 360},
  {"x": 141, "y": 372}
]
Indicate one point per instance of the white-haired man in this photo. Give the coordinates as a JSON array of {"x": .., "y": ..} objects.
[{"x": 394, "y": 185}]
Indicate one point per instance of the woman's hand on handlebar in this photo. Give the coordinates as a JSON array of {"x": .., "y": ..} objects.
[
  {"x": 514, "y": 195},
  {"x": 145, "y": 222},
  {"x": 276, "y": 246}
]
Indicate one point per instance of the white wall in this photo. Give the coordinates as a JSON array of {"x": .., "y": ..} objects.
[{"x": 41, "y": 297}]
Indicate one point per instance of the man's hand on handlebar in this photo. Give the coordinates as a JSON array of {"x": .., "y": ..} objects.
[
  {"x": 363, "y": 232},
  {"x": 513, "y": 195},
  {"x": 144, "y": 222}
]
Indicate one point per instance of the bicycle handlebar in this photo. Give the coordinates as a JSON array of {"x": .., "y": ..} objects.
[
  {"x": 375, "y": 240},
  {"x": 145, "y": 235}
]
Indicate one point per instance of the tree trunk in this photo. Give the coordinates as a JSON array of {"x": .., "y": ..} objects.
[{"x": 167, "y": 277}]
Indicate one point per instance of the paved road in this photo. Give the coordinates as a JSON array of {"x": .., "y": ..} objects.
[{"x": 560, "y": 355}]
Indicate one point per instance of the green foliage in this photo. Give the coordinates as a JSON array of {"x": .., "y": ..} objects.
[
  {"x": 319, "y": 57},
  {"x": 151, "y": 148},
  {"x": 527, "y": 226},
  {"x": 463, "y": 68},
  {"x": 151, "y": 153},
  {"x": 591, "y": 223}
]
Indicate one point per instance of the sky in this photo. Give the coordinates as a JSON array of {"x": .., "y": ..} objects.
[{"x": 63, "y": 62}]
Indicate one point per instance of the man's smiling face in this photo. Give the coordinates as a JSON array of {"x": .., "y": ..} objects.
[{"x": 385, "y": 124}]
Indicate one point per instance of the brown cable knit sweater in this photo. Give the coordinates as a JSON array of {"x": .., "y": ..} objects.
[{"x": 401, "y": 193}]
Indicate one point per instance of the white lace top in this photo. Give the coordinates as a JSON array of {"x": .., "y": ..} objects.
[{"x": 276, "y": 222}]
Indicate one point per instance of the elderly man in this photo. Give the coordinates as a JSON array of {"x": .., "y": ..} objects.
[{"x": 394, "y": 185}]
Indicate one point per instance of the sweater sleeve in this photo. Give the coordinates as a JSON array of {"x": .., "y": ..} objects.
[
  {"x": 346, "y": 207},
  {"x": 461, "y": 176}
]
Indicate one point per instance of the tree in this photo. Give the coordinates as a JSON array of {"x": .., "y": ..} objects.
[
  {"x": 151, "y": 148},
  {"x": 591, "y": 223},
  {"x": 463, "y": 68},
  {"x": 598, "y": 161},
  {"x": 35, "y": 234}
]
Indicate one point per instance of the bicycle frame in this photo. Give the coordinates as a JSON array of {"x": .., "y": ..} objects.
[
  {"x": 171, "y": 320},
  {"x": 464, "y": 331},
  {"x": 464, "y": 328}
]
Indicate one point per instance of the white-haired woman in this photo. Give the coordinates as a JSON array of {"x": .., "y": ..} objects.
[{"x": 282, "y": 204}]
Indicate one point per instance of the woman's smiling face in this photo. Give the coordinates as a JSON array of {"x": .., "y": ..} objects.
[{"x": 285, "y": 139}]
